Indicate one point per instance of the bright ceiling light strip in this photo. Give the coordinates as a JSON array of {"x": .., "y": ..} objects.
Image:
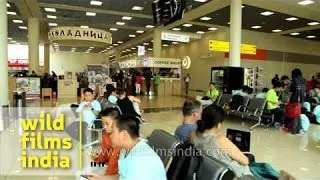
[
  {"x": 267, "y": 13},
  {"x": 96, "y": 3},
  {"x": 90, "y": 14},
  {"x": 306, "y": 2},
  {"x": 128, "y": 18},
  {"x": 256, "y": 27},
  {"x": 311, "y": 37},
  {"x": 23, "y": 27},
  {"x": 206, "y": 18},
  {"x": 132, "y": 35},
  {"x": 176, "y": 29},
  {"x": 276, "y": 30},
  {"x": 137, "y": 8},
  {"x": 50, "y": 9},
  {"x": 294, "y": 34},
  {"x": 120, "y": 23},
  {"x": 113, "y": 29},
  {"x": 51, "y": 17},
  {"x": 8, "y": 5},
  {"x": 17, "y": 21},
  {"x": 11, "y": 13},
  {"x": 187, "y": 25},
  {"x": 53, "y": 24},
  {"x": 149, "y": 26},
  {"x": 292, "y": 19},
  {"x": 200, "y": 32},
  {"x": 212, "y": 29},
  {"x": 84, "y": 26},
  {"x": 139, "y": 31},
  {"x": 313, "y": 23},
  {"x": 201, "y": 1}
]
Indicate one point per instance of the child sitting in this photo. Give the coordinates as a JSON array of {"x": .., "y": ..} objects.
[{"x": 313, "y": 116}]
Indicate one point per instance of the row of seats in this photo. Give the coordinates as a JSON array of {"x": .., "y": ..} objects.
[
  {"x": 209, "y": 168},
  {"x": 251, "y": 109}
]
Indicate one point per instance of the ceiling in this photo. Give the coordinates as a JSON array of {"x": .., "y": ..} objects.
[{"x": 73, "y": 13}]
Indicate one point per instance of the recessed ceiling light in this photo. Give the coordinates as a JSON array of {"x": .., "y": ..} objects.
[
  {"x": 311, "y": 37},
  {"x": 294, "y": 34},
  {"x": 146, "y": 44},
  {"x": 90, "y": 14},
  {"x": 313, "y": 23},
  {"x": 11, "y": 13},
  {"x": 200, "y": 0},
  {"x": 200, "y": 32},
  {"x": 9, "y": 38},
  {"x": 212, "y": 29},
  {"x": 53, "y": 24},
  {"x": 150, "y": 49},
  {"x": 132, "y": 35},
  {"x": 187, "y": 25},
  {"x": 242, "y": 6},
  {"x": 205, "y": 18},
  {"x": 116, "y": 44},
  {"x": 113, "y": 29},
  {"x": 50, "y": 9},
  {"x": 175, "y": 43},
  {"x": 149, "y": 26},
  {"x": 91, "y": 47},
  {"x": 256, "y": 27},
  {"x": 17, "y": 21},
  {"x": 139, "y": 31},
  {"x": 96, "y": 3},
  {"x": 292, "y": 19},
  {"x": 111, "y": 46},
  {"x": 165, "y": 45},
  {"x": 127, "y": 18},
  {"x": 13, "y": 41},
  {"x": 305, "y": 2},
  {"x": 133, "y": 48},
  {"x": 176, "y": 29},
  {"x": 120, "y": 42},
  {"x": 84, "y": 26},
  {"x": 8, "y": 5},
  {"x": 276, "y": 30},
  {"x": 51, "y": 17},
  {"x": 229, "y": 22},
  {"x": 120, "y": 23},
  {"x": 267, "y": 13},
  {"x": 23, "y": 27},
  {"x": 108, "y": 48},
  {"x": 137, "y": 8}
]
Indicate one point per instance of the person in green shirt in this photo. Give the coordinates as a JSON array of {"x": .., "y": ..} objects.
[
  {"x": 273, "y": 103},
  {"x": 156, "y": 83},
  {"x": 213, "y": 93}
]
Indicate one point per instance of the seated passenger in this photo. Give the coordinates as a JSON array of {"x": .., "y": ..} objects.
[
  {"x": 89, "y": 109},
  {"x": 191, "y": 114},
  {"x": 208, "y": 139},
  {"x": 110, "y": 90},
  {"x": 213, "y": 93},
  {"x": 128, "y": 104},
  {"x": 108, "y": 153},
  {"x": 313, "y": 110},
  {"x": 273, "y": 103},
  {"x": 263, "y": 93},
  {"x": 242, "y": 91},
  {"x": 137, "y": 161}
]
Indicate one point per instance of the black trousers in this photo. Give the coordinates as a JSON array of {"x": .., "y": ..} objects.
[{"x": 279, "y": 115}]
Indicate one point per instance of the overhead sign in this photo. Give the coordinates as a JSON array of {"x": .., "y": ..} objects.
[
  {"x": 66, "y": 33},
  {"x": 223, "y": 46},
  {"x": 174, "y": 37},
  {"x": 151, "y": 63}
]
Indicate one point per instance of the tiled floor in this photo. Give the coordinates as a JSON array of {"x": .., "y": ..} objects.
[{"x": 299, "y": 155}]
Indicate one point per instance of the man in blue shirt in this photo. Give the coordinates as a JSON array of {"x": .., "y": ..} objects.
[
  {"x": 191, "y": 114},
  {"x": 137, "y": 160}
]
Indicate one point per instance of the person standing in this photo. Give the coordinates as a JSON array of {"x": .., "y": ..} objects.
[
  {"x": 138, "y": 83},
  {"x": 186, "y": 82},
  {"x": 133, "y": 83},
  {"x": 54, "y": 82},
  {"x": 148, "y": 76},
  {"x": 157, "y": 80},
  {"x": 298, "y": 87},
  {"x": 275, "y": 80}
]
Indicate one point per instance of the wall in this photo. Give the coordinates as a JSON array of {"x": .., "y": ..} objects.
[
  {"x": 75, "y": 62},
  {"x": 203, "y": 59}
]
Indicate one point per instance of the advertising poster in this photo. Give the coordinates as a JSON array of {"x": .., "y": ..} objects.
[
  {"x": 30, "y": 85},
  {"x": 98, "y": 74}
]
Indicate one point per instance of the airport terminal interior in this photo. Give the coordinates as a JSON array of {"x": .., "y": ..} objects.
[{"x": 236, "y": 80}]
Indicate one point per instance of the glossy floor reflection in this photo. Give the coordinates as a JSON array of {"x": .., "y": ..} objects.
[{"x": 297, "y": 154}]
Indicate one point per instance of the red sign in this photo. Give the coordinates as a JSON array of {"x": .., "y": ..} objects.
[
  {"x": 261, "y": 55},
  {"x": 18, "y": 63}
]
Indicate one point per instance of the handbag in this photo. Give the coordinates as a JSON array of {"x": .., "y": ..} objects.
[{"x": 293, "y": 109}]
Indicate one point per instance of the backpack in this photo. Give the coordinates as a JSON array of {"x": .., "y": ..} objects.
[
  {"x": 185, "y": 162},
  {"x": 236, "y": 102}
]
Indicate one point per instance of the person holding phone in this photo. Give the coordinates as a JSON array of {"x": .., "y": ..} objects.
[{"x": 89, "y": 109}]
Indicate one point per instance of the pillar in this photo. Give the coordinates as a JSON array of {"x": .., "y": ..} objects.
[
  {"x": 118, "y": 56},
  {"x": 4, "y": 82},
  {"x": 235, "y": 32},
  {"x": 46, "y": 53},
  {"x": 157, "y": 43},
  {"x": 33, "y": 39}
]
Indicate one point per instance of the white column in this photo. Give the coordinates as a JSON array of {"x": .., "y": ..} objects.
[
  {"x": 157, "y": 43},
  {"x": 46, "y": 50},
  {"x": 33, "y": 35},
  {"x": 4, "y": 82},
  {"x": 235, "y": 32}
]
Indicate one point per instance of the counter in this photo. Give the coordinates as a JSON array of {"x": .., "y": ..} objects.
[{"x": 167, "y": 86}]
